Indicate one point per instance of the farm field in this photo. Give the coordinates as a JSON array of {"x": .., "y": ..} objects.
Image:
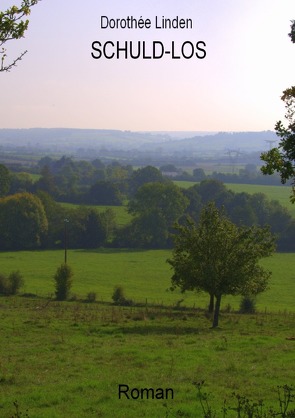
[
  {"x": 144, "y": 274},
  {"x": 280, "y": 193},
  {"x": 67, "y": 359}
]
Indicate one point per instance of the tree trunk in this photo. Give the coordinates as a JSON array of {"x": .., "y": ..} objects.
[
  {"x": 216, "y": 311},
  {"x": 211, "y": 304}
]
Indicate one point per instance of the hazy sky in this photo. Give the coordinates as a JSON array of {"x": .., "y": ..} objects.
[{"x": 250, "y": 60}]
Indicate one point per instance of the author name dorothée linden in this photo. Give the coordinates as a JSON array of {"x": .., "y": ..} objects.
[{"x": 131, "y": 22}]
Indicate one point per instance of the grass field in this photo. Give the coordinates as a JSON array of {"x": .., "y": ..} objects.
[
  {"x": 143, "y": 274},
  {"x": 67, "y": 359}
]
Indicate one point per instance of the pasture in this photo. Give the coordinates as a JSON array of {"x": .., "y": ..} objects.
[{"x": 67, "y": 359}]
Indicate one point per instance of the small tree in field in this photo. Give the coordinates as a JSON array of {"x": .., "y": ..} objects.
[
  {"x": 10, "y": 285},
  {"x": 63, "y": 282},
  {"x": 220, "y": 258}
]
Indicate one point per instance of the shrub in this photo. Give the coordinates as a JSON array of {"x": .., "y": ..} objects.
[
  {"x": 63, "y": 282},
  {"x": 91, "y": 297},
  {"x": 119, "y": 297},
  {"x": 248, "y": 305},
  {"x": 15, "y": 282},
  {"x": 10, "y": 285},
  {"x": 3, "y": 285}
]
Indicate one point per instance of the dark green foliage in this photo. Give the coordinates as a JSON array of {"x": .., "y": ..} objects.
[
  {"x": 91, "y": 297},
  {"x": 23, "y": 222},
  {"x": 4, "y": 285},
  {"x": 5, "y": 180},
  {"x": 16, "y": 282},
  {"x": 21, "y": 182},
  {"x": 148, "y": 174},
  {"x": 247, "y": 305},
  {"x": 243, "y": 209},
  {"x": 104, "y": 193},
  {"x": 89, "y": 228},
  {"x": 63, "y": 282},
  {"x": 46, "y": 183},
  {"x": 155, "y": 207},
  {"x": 199, "y": 174},
  {"x": 119, "y": 297},
  {"x": 10, "y": 285}
]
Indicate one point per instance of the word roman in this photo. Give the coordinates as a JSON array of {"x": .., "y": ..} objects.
[
  {"x": 144, "y": 50},
  {"x": 132, "y": 23},
  {"x": 145, "y": 393}
]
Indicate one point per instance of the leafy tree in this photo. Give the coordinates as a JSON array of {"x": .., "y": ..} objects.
[
  {"x": 199, "y": 174},
  {"x": 281, "y": 159},
  {"x": 12, "y": 26},
  {"x": 211, "y": 189},
  {"x": 220, "y": 258},
  {"x": 5, "y": 180},
  {"x": 23, "y": 222},
  {"x": 63, "y": 282},
  {"x": 148, "y": 174},
  {"x": 104, "y": 193},
  {"x": 21, "y": 182},
  {"x": 167, "y": 199},
  {"x": 46, "y": 182},
  {"x": 156, "y": 206},
  {"x": 10, "y": 285},
  {"x": 55, "y": 214}
]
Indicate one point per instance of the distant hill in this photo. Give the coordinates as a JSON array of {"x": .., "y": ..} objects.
[{"x": 71, "y": 140}]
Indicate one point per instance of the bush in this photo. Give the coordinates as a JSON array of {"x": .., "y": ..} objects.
[
  {"x": 4, "y": 285},
  {"x": 10, "y": 285},
  {"x": 248, "y": 305},
  {"x": 63, "y": 282},
  {"x": 119, "y": 297},
  {"x": 15, "y": 281},
  {"x": 91, "y": 297}
]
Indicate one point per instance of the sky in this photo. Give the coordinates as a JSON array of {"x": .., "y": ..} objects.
[{"x": 249, "y": 61}]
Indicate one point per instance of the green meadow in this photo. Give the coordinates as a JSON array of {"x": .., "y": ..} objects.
[
  {"x": 67, "y": 359},
  {"x": 145, "y": 276}
]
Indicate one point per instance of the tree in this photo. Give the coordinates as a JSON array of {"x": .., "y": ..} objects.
[
  {"x": 220, "y": 258},
  {"x": 12, "y": 26},
  {"x": 21, "y": 182},
  {"x": 46, "y": 182},
  {"x": 5, "y": 180},
  {"x": 156, "y": 206},
  {"x": 104, "y": 193},
  {"x": 63, "y": 281},
  {"x": 199, "y": 174},
  {"x": 23, "y": 222},
  {"x": 282, "y": 158},
  {"x": 148, "y": 174}
]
